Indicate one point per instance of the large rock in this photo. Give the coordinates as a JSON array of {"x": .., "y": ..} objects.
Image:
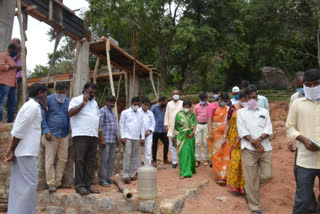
[{"x": 275, "y": 78}]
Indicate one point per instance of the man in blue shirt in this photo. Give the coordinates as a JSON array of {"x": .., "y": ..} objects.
[
  {"x": 55, "y": 130},
  {"x": 158, "y": 111}
]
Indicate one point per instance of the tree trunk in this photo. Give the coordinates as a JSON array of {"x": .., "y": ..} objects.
[{"x": 163, "y": 65}]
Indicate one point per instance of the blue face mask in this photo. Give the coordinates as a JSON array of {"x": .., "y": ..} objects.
[
  {"x": 203, "y": 102},
  {"x": 236, "y": 97},
  {"x": 300, "y": 91},
  {"x": 61, "y": 98},
  {"x": 223, "y": 103},
  {"x": 216, "y": 96}
]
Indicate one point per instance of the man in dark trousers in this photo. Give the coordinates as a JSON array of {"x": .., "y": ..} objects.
[{"x": 84, "y": 120}]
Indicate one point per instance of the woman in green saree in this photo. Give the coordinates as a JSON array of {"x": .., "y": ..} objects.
[{"x": 185, "y": 127}]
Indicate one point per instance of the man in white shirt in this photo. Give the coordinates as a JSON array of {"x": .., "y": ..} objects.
[
  {"x": 173, "y": 107},
  {"x": 23, "y": 151},
  {"x": 149, "y": 126},
  {"x": 262, "y": 100},
  {"x": 132, "y": 134},
  {"x": 84, "y": 121},
  {"x": 255, "y": 128},
  {"x": 235, "y": 93}
]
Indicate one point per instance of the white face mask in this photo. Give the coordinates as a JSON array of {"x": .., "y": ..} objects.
[
  {"x": 186, "y": 110},
  {"x": 312, "y": 93},
  {"x": 135, "y": 108},
  {"x": 176, "y": 97},
  {"x": 243, "y": 104}
]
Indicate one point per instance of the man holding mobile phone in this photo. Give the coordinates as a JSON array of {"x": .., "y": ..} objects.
[{"x": 84, "y": 116}]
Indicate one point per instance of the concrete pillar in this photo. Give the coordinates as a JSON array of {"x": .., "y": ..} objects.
[
  {"x": 136, "y": 85},
  {"x": 7, "y": 9},
  {"x": 82, "y": 72}
]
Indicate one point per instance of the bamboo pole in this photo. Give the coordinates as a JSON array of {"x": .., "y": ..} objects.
[
  {"x": 118, "y": 91},
  {"x": 56, "y": 43},
  {"x": 50, "y": 9},
  {"x": 158, "y": 84},
  {"x": 110, "y": 73},
  {"x": 134, "y": 78},
  {"x": 75, "y": 67},
  {"x": 23, "y": 53},
  {"x": 96, "y": 70},
  {"x": 152, "y": 83},
  {"x": 126, "y": 88}
]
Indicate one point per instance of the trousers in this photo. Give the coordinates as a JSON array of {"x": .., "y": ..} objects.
[
  {"x": 257, "y": 171},
  {"x": 201, "y": 138},
  {"x": 132, "y": 152},
  {"x": 8, "y": 95},
  {"x": 107, "y": 158},
  {"x": 57, "y": 147},
  {"x": 85, "y": 150},
  {"x": 164, "y": 139},
  {"x": 173, "y": 151}
]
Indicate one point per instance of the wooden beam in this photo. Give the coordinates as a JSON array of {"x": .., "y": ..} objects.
[
  {"x": 31, "y": 8},
  {"x": 50, "y": 10},
  {"x": 110, "y": 73},
  {"x": 118, "y": 91},
  {"x": 64, "y": 6},
  {"x": 126, "y": 88},
  {"x": 75, "y": 65},
  {"x": 56, "y": 43},
  {"x": 158, "y": 85},
  {"x": 23, "y": 53},
  {"x": 95, "y": 70},
  {"x": 153, "y": 87},
  {"x": 134, "y": 79}
]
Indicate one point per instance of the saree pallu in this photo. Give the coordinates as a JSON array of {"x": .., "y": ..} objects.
[
  {"x": 219, "y": 153},
  {"x": 235, "y": 179},
  {"x": 184, "y": 125}
]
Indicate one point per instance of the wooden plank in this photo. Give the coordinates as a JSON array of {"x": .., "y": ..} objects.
[
  {"x": 31, "y": 8},
  {"x": 23, "y": 53},
  {"x": 134, "y": 78},
  {"x": 110, "y": 73},
  {"x": 95, "y": 70},
  {"x": 119, "y": 83},
  {"x": 126, "y": 88},
  {"x": 64, "y": 6},
  {"x": 50, "y": 10},
  {"x": 153, "y": 87}
]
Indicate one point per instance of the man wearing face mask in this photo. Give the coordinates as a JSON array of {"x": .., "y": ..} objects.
[
  {"x": 8, "y": 90},
  {"x": 160, "y": 132},
  {"x": 200, "y": 110},
  {"x": 298, "y": 83},
  {"x": 235, "y": 93},
  {"x": 172, "y": 109},
  {"x": 55, "y": 130},
  {"x": 132, "y": 133},
  {"x": 254, "y": 129},
  {"x": 303, "y": 125},
  {"x": 23, "y": 150},
  {"x": 84, "y": 116},
  {"x": 109, "y": 127}
]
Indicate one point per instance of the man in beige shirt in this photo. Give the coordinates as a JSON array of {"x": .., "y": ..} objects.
[
  {"x": 303, "y": 125},
  {"x": 173, "y": 107}
]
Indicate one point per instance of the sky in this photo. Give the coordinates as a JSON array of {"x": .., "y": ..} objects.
[{"x": 38, "y": 44}]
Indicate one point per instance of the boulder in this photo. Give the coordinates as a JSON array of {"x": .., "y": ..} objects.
[{"x": 275, "y": 78}]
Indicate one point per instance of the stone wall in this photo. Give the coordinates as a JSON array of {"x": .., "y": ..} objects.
[
  {"x": 67, "y": 179},
  {"x": 4, "y": 168}
]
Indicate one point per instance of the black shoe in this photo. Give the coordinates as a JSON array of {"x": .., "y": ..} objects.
[
  {"x": 174, "y": 165},
  {"x": 52, "y": 189},
  {"x": 93, "y": 191},
  {"x": 82, "y": 191},
  {"x": 256, "y": 212},
  {"x": 110, "y": 181},
  {"x": 126, "y": 180}
]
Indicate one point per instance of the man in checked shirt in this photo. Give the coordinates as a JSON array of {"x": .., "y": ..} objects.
[{"x": 109, "y": 127}]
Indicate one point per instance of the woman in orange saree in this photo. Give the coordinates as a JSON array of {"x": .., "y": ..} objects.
[
  {"x": 235, "y": 179},
  {"x": 219, "y": 150}
]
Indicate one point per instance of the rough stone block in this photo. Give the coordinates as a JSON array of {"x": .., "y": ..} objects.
[
  {"x": 125, "y": 206},
  {"x": 88, "y": 200},
  {"x": 106, "y": 204},
  {"x": 172, "y": 205},
  {"x": 55, "y": 199},
  {"x": 70, "y": 200},
  {"x": 43, "y": 197},
  {"x": 146, "y": 206},
  {"x": 71, "y": 211},
  {"x": 54, "y": 210},
  {"x": 86, "y": 210}
]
